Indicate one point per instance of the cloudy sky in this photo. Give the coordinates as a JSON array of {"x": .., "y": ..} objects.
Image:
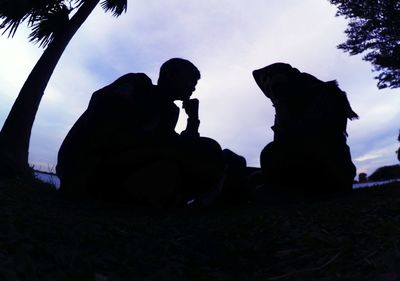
[{"x": 227, "y": 40}]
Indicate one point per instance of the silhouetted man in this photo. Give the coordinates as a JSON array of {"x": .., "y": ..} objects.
[
  {"x": 309, "y": 154},
  {"x": 124, "y": 147}
]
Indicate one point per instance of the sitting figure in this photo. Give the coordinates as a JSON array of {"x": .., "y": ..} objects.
[
  {"x": 124, "y": 146},
  {"x": 309, "y": 154}
]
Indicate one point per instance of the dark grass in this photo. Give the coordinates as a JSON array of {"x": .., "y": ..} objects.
[{"x": 44, "y": 236}]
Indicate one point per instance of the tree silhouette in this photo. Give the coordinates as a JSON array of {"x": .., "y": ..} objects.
[
  {"x": 53, "y": 23},
  {"x": 374, "y": 30}
]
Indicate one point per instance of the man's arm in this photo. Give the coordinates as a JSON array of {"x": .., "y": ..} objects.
[{"x": 191, "y": 108}]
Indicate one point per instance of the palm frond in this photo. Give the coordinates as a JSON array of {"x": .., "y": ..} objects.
[
  {"x": 116, "y": 7},
  {"x": 47, "y": 23},
  {"x": 12, "y": 13},
  {"x": 77, "y": 3},
  {"x": 10, "y": 25}
]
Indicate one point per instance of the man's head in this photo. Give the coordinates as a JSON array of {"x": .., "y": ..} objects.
[{"x": 178, "y": 77}]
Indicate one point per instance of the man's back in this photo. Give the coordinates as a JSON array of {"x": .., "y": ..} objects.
[{"x": 113, "y": 119}]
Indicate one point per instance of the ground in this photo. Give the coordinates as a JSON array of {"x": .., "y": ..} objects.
[{"x": 44, "y": 236}]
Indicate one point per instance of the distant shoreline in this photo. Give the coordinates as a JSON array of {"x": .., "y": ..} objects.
[
  {"x": 43, "y": 172},
  {"x": 52, "y": 178}
]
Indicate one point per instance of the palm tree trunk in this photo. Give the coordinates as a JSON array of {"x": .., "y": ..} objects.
[{"x": 16, "y": 131}]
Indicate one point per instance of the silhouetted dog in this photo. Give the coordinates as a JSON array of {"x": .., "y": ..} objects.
[{"x": 309, "y": 154}]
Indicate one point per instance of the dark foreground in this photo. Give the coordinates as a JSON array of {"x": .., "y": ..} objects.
[{"x": 46, "y": 237}]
